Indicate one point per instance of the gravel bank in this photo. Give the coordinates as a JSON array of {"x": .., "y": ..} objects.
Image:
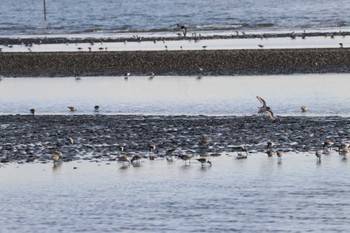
[
  {"x": 26, "y": 138},
  {"x": 213, "y": 62}
]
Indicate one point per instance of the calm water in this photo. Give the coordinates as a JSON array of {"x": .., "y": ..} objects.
[
  {"x": 259, "y": 194},
  {"x": 324, "y": 94},
  {"x": 25, "y": 17}
]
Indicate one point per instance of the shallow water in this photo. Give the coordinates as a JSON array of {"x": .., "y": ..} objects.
[
  {"x": 323, "y": 94},
  {"x": 259, "y": 194}
]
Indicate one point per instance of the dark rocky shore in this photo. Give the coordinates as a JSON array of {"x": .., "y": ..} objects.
[
  {"x": 26, "y": 138},
  {"x": 213, "y": 62}
]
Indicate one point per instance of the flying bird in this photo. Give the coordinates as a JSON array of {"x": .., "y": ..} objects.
[{"x": 264, "y": 108}]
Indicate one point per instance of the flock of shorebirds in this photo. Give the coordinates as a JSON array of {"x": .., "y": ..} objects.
[{"x": 242, "y": 152}]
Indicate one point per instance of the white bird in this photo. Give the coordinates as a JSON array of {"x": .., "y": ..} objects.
[
  {"x": 304, "y": 109},
  {"x": 72, "y": 108},
  {"x": 264, "y": 108}
]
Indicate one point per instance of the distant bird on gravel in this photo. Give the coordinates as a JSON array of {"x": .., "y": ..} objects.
[
  {"x": 72, "y": 108},
  {"x": 126, "y": 76},
  {"x": 182, "y": 28},
  {"x": 32, "y": 111}
]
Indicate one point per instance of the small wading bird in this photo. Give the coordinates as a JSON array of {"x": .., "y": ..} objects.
[
  {"x": 96, "y": 108},
  {"x": 318, "y": 154},
  {"x": 72, "y": 108},
  {"x": 279, "y": 154},
  {"x": 126, "y": 76},
  {"x": 151, "y": 75},
  {"x": 304, "y": 109},
  {"x": 56, "y": 156},
  {"x": 327, "y": 146},
  {"x": 182, "y": 28},
  {"x": 264, "y": 108},
  {"x": 32, "y": 111},
  {"x": 204, "y": 160}
]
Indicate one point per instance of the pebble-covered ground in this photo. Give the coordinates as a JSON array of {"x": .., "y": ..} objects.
[
  {"x": 26, "y": 138},
  {"x": 190, "y": 62}
]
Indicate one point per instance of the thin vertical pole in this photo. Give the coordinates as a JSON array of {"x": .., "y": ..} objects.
[{"x": 45, "y": 10}]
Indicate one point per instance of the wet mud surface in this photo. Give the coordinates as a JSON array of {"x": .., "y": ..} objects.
[{"x": 26, "y": 138}]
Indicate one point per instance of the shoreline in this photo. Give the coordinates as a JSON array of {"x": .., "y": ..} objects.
[
  {"x": 27, "y": 138},
  {"x": 186, "y": 62},
  {"x": 85, "y": 38}
]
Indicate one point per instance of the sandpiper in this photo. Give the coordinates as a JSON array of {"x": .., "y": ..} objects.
[
  {"x": 304, "y": 109},
  {"x": 151, "y": 75},
  {"x": 183, "y": 29},
  {"x": 126, "y": 76},
  {"x": 72, "y": 108},
  {"x": 152, "y": 148},
  {"x": 123, "y": 159},
  {"x": 270, "y": 144},
  {"x": 318, "y": 154},
  {"x": 186, "y": 157},
  {"x": 56, "y": 156},
  {"x": 279, "y": 154},
  {"x": 70, "y": 140},
  {"x": 96, "y": 108},
  {"x": 204, "y": 160},
  {"x": 204, "y": 140},
  {"x": 136, "y": 159},
  {"x": 32, "y": 111}
]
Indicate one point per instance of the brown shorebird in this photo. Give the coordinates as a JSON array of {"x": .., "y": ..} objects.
[
  {"x": 32, "y": 111},
  {"x": 72, "y": 108},
  {"x": 279, "y": 154},
  {"x": 327, "y": 146},
  {"x": 121, "y": 148},
  {"x": 318, "y": 154},
  {"x": 123, "y": 159},
  {"x": 204, "y": 160},
  {"x": 185, "y": 157},
  {"x": 56, "y": 156},
  {"x": 270, "y": 144},
  {"x": 152, "y": 148}
]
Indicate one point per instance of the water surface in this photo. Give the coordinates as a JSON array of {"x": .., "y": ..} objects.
[
  {"x": 259, "y": 194},
  {"x": 323, "y": 94}
]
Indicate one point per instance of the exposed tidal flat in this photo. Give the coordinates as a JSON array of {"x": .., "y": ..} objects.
[
  {"x": 95, "y": 193},
  {"x": 27, "y": 138},
  {"x": 213, "y": 62}
]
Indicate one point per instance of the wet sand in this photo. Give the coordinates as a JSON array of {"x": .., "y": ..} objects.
[
  {"x": 213, "y": 62},
  {"x": 26, "y": 138}
]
